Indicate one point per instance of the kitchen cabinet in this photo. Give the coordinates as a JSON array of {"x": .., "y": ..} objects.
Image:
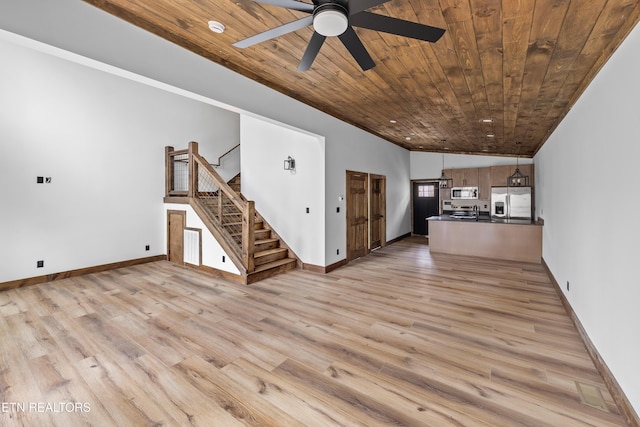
[
  {"x": 499, "y": 175},
  {"x": 484, "y": 183},
  {"x": 513, "y": 242},
  {"x": 484, "y": 178},
  {"x": 467, "y": 177}
]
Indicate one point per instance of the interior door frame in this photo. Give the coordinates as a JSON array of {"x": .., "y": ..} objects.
[
  {"x": 383, "y": 209},
  {"x": 426, "y": 181},
  {"x": 182, "y": 214}
]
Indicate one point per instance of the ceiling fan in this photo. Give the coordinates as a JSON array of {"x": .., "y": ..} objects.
[{"x": 337, "y": 18}]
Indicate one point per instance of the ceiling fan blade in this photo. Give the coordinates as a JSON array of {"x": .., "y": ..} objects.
[
  {"x": 396, "y": 26},
  {"x": 289, "y": 4},
  {"x": 352, "y": 42},
  {"x": 357, "y": 6},
  {"x": 275, "y": 32},
  {"x": 311, "y": 52}
]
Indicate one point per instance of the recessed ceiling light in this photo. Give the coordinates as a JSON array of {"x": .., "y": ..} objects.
[
  {"x": 408, "y": 138},
  {"x": 216, "y": 27},
  {"x": 485, "y": 150},
  {"x": 490, "y": 135},
  {"x": 393, "y": 121},
  {"x": 487, "y": 120}
]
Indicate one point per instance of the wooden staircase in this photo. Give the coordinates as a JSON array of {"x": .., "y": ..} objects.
[
  {"x": 234, "y": 183},
  {"x": 271, "y": 256}
]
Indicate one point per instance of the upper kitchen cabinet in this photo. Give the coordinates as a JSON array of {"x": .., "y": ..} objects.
[
  {"x": 465, "y": 177},
  {"x": 499, "y": 175}
]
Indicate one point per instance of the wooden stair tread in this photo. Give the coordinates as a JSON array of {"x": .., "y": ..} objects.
[
  {"x": 269, "y": 240},
  {"x": 267, "y": 252},
  {"x": 273, "y": 264}
]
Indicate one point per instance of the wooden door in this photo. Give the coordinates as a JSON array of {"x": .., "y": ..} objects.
[
  {"x": 357, "y": 214},
  {"x": 176, "y": 222},
  {"x": 378, "y": 202},
  {"x": 425, "y": 203}
]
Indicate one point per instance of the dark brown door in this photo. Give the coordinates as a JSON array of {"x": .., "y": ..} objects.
[
  {"x": 357, "y": 215},
  {"x": 426, "y": 196},
  {"x": 176, "y": 221},
  {"x": 377, "y": 221}
]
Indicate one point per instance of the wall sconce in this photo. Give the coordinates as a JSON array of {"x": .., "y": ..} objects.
[{"x": 290, "y": 164}]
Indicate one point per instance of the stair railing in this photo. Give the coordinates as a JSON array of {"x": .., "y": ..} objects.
[{"x": 229, "y": 218}]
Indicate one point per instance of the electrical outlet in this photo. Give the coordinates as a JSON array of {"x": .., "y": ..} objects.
[
  {"x": 40, "y": 179},
  {"x": 567, "y": 285},
  {"x": 48, "y": 180},
  {"x": 224, "y": 259},
  {"x": 307, "y": 210},
  {"x": 337, "y": 251},
  {"x": 147, "y": 247},
  {"x": 338, "y": 209},
  {"x": 40, "y": 264}
]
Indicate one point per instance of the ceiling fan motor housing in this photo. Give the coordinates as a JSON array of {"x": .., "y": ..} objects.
[{"x": 330, "y": 19}]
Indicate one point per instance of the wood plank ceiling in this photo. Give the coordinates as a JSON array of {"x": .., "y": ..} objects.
[{"x": 520, "y": 63}]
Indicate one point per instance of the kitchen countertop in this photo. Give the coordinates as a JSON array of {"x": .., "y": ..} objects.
[
  {"x": 484, "y": 219},
  {"x": 513, "y": 240}
]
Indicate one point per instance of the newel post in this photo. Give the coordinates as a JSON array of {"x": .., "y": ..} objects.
[
  {"x": 248, "y": 235},
  {"x": 168, "y": 171},
  {"x": 193, "y": 169}
]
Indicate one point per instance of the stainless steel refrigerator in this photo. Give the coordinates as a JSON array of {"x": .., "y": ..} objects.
[{"x": 511, "y": 202}]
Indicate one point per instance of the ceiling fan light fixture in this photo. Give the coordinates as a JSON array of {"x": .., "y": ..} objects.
[{"x": 330, "y": 20}]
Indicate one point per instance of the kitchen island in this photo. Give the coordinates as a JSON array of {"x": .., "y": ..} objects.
[{"x": 513, "y": 240}]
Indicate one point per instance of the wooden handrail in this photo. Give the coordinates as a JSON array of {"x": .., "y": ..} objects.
[{"x": 225, "y": 154}]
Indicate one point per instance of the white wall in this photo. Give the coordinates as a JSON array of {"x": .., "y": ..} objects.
[
  {"x": 587, "y": 181},
  {"x": 429, "y": 165},
  {"x": 282, "y": 196},
  {"x": 230, "y": 164},
  {"x": 101, "y": 139},
  {"x": 369, "y": 154}
]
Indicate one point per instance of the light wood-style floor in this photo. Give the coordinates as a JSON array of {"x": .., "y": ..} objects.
[{"x": 401, "y": 337}]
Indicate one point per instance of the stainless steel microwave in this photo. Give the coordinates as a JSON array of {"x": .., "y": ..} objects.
[{"x": 464, "y": 192}]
